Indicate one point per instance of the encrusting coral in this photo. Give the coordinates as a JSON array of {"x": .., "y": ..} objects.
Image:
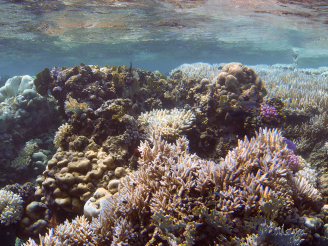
[{"x": 178, "y": 198}]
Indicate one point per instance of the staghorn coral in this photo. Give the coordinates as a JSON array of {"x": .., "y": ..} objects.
[
  {"x": 302, "y": 94},
  {"x": 11, "y": 208},
  {"x": 178, "y": 198},
  {"x": 308, "y": 133},
  {"x": 167, "y": 123}
]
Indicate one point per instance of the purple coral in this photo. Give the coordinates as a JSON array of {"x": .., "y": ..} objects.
[
  {"x": 269, "y": 112},
  {"x": 292, "y": 160},
  {"x": 290, "y": 144},
  {"x": 60, "y": 76},
  {"x": 55, "y": 71}
]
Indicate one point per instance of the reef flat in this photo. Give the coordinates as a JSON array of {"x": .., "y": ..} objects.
[{"x": 221, "y": 154}]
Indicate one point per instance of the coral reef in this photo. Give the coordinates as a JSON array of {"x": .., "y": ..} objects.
[
  {"x": 262, "y": 192},
  {"x": 15, "y": 85},
  {"x": 239, "y": 82},
  {"x": 177, "y": 198},
  {"x": 198, "y": 70},
  {"x": 60, "y": 134}
]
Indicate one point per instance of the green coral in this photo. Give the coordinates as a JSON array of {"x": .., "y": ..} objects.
[
  {"x": 118, "y": 111},
  {"x": 152, "y": 84},
  {"x": 43, "y": 81}
]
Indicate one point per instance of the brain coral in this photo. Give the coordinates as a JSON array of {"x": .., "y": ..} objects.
[{"x": 11, "y": 208}]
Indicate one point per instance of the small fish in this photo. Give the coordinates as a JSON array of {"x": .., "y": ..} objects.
[{"x": 249, "y": 104}]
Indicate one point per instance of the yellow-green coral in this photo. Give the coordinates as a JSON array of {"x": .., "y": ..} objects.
[
  {"x": 42, "y": 81},
  {"x": 72, "y": 105},
  {"x": 23, "y": 159},
  {"x": 118, "y": 111}
]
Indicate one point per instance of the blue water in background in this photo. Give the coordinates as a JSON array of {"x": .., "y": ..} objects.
[{"x": 159, "y": 35}]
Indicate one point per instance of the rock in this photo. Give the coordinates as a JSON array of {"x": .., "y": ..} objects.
[
  {"x": 120, "y": 172},
  {"x": 313, "y": 223},
  {"x": 113, "y": 185}
]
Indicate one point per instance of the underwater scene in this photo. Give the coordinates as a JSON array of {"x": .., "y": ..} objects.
[{"x": 172, "y": 122}]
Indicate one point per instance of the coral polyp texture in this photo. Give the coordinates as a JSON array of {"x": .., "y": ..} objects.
[
  {"x": 177, "y": 198},
  {"x": 167, "y": 123},
  {"x": 239, "y": 82},
  {"x": 11, "y": 208}
]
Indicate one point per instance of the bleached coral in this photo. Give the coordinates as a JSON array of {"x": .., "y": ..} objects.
[
  {"x": 300, "y": 93},
  {"x": 167, "y": 123},
  {"x": 11, "y": 208},
  {"x": 75, "y": 233},
  {"x": 306, "y": 171},
  {"x": 23, "y": 159},
  {"x": 198, "y": 71},
  {"x": 60, "y": 134}
]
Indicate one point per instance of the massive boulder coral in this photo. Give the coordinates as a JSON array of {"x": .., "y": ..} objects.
[
  {"x": 178, "y": 198},
  {"x": 71, "y": 178},
  {"x": 15, "y": 85},
  {"x": 239, "y": 82}
]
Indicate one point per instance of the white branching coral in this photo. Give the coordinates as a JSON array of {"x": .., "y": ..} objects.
[
  {"x": 60, "y": 134},
  {"x": 167, "y": 123},
  {"x": 299, "y": 92},
  {"x": 306, "y": 171},
  {"x": 11, "y": 208}
]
